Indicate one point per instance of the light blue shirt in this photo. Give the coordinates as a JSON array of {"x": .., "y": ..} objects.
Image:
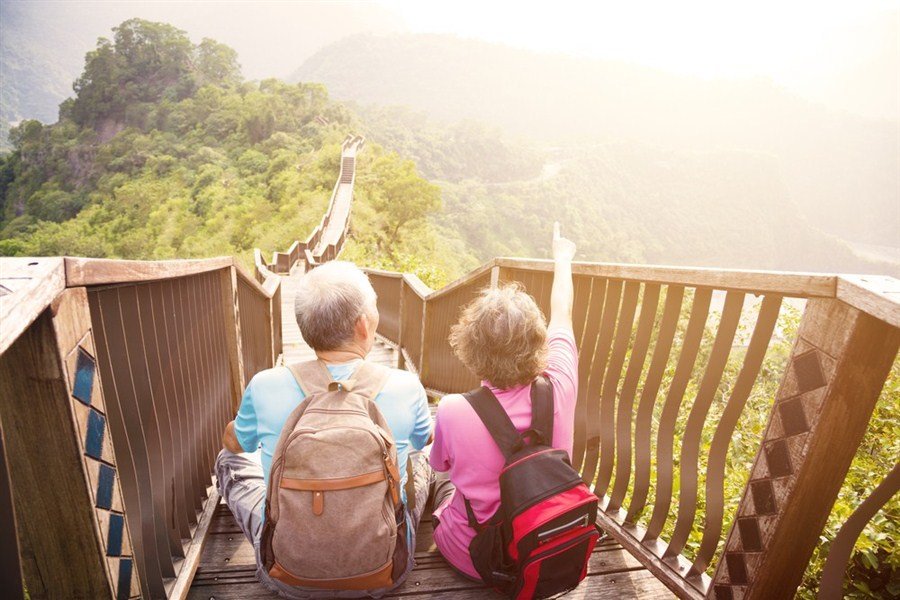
[{"x": 272, "y": 394}]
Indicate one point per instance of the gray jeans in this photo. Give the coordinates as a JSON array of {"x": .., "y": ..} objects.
[{"x": 241, "y": 485}]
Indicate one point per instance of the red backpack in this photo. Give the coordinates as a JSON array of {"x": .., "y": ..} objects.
[{"x": 539, "y": 541}]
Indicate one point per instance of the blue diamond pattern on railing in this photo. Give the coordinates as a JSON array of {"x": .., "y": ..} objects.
[
  {"x": 84, "y": 377},
  {"x": 114, "y": 539},
  {"x": 105, "y": 483},
  {"x": 93, "y": 443},
  {"x": 124, "y": 586}
]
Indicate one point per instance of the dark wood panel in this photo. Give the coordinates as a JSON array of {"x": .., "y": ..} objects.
[
  {"x": 10, "y": 566},
  {"x": 125, "y": 429},
  {"x": 46, "y": 472}
]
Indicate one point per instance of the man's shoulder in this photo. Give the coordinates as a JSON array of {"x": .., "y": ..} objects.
[
  {"x": 403, "y": 384},
  {"x": 272, "y": 379}
]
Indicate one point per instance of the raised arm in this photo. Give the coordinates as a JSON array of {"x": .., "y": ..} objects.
[{"x": 562, "y": 293}]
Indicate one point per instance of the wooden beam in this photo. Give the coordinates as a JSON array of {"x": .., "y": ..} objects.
[
  {"x": 821, "y": 411},
  {"x": 803, "y": 285},
  {"x": 259, "y": 287},
  {"x": 182, "y": 584},
  {"x": 96, "y": 271},
  {"x": 38, "y": 282},
  {"x": 877, "y": 295}
]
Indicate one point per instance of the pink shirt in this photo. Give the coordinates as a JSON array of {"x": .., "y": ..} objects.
[{"x": 463, "y": 446}]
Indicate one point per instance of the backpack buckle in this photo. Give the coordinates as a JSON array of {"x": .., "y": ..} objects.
[{"x": 340, "y": 386}]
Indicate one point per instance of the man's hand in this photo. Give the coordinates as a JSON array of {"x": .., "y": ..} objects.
[
  {"x": 563, "y": 248},
  {"x": 229, "y": 439}
]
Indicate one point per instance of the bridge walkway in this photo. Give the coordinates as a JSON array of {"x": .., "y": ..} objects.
[{"x": 227, "y": 564}]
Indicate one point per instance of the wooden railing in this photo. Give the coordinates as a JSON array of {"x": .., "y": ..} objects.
[
  {"x": 657, "y": 456},
  {"x": 118, "y": 378},
  {"x": 317, "y": 249}
]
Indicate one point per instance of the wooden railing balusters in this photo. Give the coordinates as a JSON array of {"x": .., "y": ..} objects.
[
  {"x": 831, "y": 586},
  {"x": 666, "y": 432},
  {"x": 150, "y": 336},
  {"x": 589, "y": 338},
  {"x": 766, "y": 319},
  {"x": 693, "y": 432},
  {"x": 609, "y": 393},
  {"x": 649, "y": 304},
  {"x": 613, "y": 297},
  {"x": 644, "y": 420},
  {"x": 177, "y": 424}
]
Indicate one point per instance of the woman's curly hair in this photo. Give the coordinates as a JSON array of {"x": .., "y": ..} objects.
[{"x": 502, "y": 336}]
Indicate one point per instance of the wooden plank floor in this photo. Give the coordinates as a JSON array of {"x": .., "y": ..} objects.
[
  {"x": 227, "y": 571},
  {"x": 227, "y": 565}
]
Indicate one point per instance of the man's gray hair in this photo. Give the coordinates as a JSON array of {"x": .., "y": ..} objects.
[{"x": 329, "y": 300}]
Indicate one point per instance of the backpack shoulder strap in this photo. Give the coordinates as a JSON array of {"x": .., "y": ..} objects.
[
  {"x": 542, "y": 408},
  {"x": 312, "y": 376},
  {"x": 368, "y": 380},
  {"x": 495, "y": 419}
]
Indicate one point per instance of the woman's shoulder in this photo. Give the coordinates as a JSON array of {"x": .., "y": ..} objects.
[{"x": 453, "y": 406}]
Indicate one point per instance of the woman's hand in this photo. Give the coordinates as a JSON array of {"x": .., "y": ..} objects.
[
  {"x": 562, "y": 292},
  {"x": 563, "y": 248}
]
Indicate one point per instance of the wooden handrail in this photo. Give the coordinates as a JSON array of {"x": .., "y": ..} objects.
[
  {"x": 39, "y": 281},
  {"x": 96, "y": 271},
  {"x": 310, "y": 251}
]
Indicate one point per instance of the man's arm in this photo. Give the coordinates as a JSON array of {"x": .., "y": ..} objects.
[
  {"x": 229, "y": 439},
  {"x": 244, "y": 423},
  {"x": 562, "y": 293}
]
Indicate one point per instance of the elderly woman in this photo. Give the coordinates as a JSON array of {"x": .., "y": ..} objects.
[{"x": 502, "y": 337}]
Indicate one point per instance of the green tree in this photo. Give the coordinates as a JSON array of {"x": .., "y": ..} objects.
[{"x": 401, "y": 198}]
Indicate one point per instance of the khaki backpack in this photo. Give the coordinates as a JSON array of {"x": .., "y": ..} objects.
[{"x": 334, "y": 518}]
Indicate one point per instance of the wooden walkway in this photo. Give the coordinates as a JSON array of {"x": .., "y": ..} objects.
[
  {"x": 294, "y": 349},
  {"x": 227, "y": 571},
  {"x": 227, "y": 565}
]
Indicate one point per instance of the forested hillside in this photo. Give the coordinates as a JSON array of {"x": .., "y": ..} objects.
[
  {"x": 620, "y": 201},
  {"x": 839, "y": 170},
  {"x": 166, "y": 152}
]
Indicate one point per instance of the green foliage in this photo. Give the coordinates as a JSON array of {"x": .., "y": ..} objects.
[
  {"x": 146, "y": 63},
  {"x": 875, "y": 565},
  {"x": 166, "y": 153}
]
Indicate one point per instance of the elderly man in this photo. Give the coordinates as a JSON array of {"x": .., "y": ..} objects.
[{"x": 336, "y": 310}]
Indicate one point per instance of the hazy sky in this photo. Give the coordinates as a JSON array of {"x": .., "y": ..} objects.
[
  {"x": 844, "y": 53},
  {"x": 819, "y": 48}
]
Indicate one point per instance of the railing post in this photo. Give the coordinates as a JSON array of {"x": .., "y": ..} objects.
[
  {"x": 401, "y": 360},
  {"x": 233, "y": 334},
  {"x": 74, "y": 538},
  {"x": 828, "y": 392},
  {"x": 495, "y": 276},
  {"x": 275, "y": 321},
  {"x": 423, "y": 354}
]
